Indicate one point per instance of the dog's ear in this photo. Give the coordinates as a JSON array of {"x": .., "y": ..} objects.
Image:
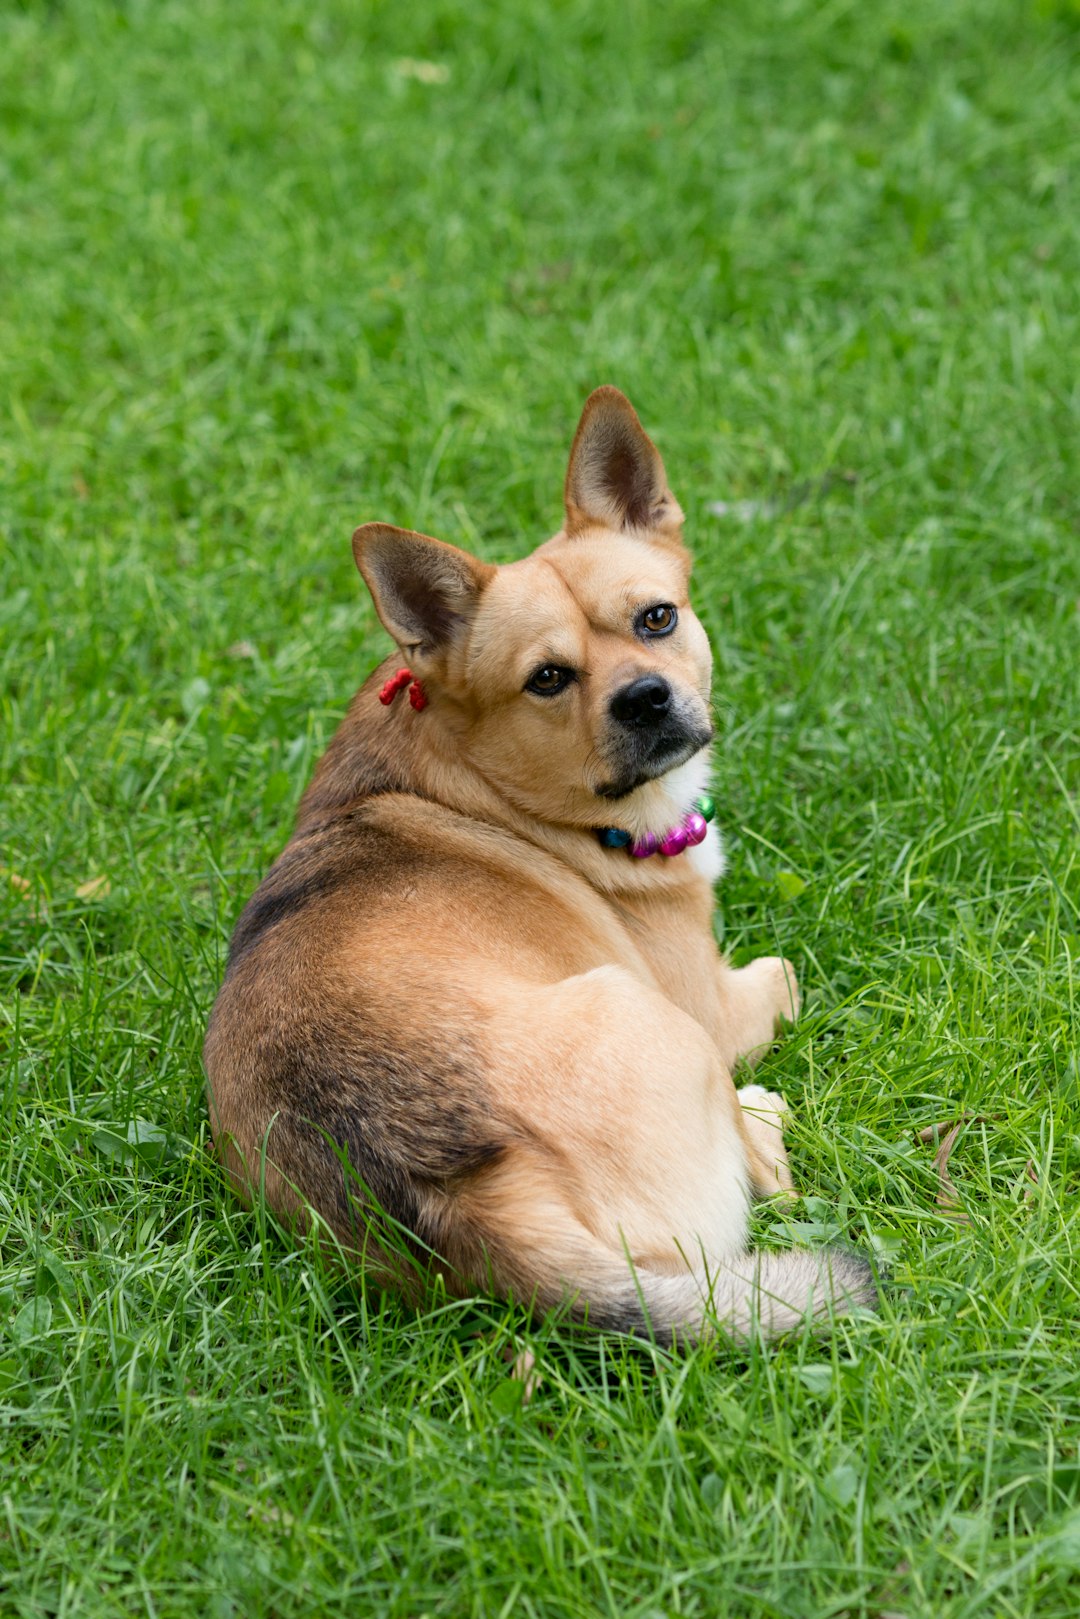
[
  {"x": 616, "y": 477},
  {"x": 425, "y": 592}
]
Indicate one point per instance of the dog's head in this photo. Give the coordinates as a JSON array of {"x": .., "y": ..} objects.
[{"x": 577, "y": 680}]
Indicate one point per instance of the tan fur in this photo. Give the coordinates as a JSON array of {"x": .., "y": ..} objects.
[{"x": 520, "y": 1041}]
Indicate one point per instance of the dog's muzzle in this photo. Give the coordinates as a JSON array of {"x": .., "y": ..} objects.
[{"x": 653, "y": 731}]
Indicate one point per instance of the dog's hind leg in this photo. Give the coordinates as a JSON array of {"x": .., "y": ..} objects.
[{"x": 764, "y": 1113}]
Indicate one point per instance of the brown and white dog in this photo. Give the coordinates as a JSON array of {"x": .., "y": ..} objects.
[{"x": 452, "y": 1001}]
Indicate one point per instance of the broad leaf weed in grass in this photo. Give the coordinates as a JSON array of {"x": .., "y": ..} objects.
[{"x": 271, "y": 270}]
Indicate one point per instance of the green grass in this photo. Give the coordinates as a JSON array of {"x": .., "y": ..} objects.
[{"x": 259, "y": 284}]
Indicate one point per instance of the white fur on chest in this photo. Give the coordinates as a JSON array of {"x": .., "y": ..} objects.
[{"x": 682, "y": 786}]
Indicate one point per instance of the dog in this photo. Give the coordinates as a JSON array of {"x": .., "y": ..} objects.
[{"x": 474, "y": 1022}]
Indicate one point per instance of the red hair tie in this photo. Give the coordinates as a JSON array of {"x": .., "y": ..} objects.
[{"x": 398, "y": 682}]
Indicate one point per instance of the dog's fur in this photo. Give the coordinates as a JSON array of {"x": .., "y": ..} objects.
[{"x": 449, "y": 1002}]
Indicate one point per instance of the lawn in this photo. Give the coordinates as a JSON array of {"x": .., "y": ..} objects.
[{"x": 271, "y": 269}]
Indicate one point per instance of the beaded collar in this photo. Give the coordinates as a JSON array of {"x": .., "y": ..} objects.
[{"x": 690, "y": 831}]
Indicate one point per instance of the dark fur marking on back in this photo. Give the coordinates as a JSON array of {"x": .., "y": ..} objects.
[
  {"x": 345, "y": 849},
  {"x": 409, "y": 1114},
  {"x": 409, "y": 1125},
  {"x": 275, "y": 900}
]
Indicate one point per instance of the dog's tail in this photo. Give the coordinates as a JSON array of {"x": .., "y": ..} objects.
[{"x": 759, "y": 1294}]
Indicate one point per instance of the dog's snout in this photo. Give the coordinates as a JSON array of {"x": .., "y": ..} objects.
[{"x": 643, "y": 702}]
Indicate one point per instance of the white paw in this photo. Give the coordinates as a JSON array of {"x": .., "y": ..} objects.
[{"x": 769, "y": 1106}]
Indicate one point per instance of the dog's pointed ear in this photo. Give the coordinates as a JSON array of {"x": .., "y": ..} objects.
[
  {"x": 616, "y": 477},
  {"x": 425, "y": 592}
]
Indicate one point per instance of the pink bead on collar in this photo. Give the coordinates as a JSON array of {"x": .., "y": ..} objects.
[{"x": 690, "y": 831}]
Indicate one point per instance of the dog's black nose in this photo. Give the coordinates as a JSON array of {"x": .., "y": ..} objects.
[{"x": 644, "y": 702}]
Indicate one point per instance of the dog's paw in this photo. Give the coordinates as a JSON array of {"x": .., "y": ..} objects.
[
  {"x": 775, "y": 987},
  {"x": 787, "y": 988},
  {"x": 768, "y": 1106}
]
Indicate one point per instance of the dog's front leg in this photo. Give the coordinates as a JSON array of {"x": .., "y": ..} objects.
[{"x": 754, "y": 1001}]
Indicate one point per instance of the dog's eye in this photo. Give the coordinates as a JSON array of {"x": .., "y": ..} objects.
[
  {"x": 549, "y": 680},
  {"x": 658, "y": 620}
]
